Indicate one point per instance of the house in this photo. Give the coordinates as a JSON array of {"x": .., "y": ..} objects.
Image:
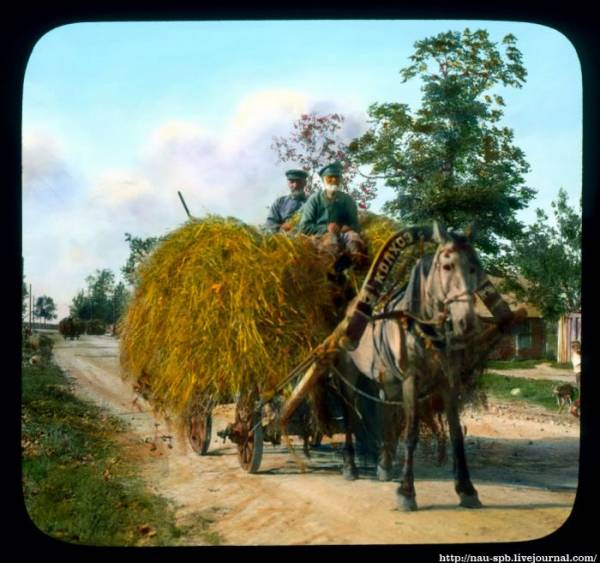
[
  {"x": 569, "y": 330},
  {"x": 527, "y": 339}
]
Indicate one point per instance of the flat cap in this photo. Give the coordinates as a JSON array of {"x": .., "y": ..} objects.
[
  {"x": 333, "y": 169},
  {"x": 296, "y": 175}
]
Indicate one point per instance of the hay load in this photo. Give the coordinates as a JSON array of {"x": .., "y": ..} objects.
[{"x": 222, "y": 307}]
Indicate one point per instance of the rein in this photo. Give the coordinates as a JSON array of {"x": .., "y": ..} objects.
[{"x": 362, "y": 393}]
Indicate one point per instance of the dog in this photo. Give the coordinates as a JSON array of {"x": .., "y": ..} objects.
[{"x": 565, "y": 395}]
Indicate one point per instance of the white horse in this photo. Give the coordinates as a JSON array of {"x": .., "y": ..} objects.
[{"x": 423, "y": 342}]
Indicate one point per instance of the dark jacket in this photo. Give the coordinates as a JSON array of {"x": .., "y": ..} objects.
[{"x": 282, "y": 209}]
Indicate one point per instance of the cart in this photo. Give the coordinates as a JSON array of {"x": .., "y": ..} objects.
[{"x": 258, "y": 421}]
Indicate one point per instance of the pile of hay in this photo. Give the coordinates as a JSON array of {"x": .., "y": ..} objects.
[{"x": 222, "y": 307}]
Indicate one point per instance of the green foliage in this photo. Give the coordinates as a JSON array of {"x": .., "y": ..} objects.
[
  {"x": 537, "y": 391},
  {"x": 24, "y": 296},
  {"x": 139, "y": 250},
  {"x": 102, "y": 299},
  {"x": 76, "y": 483},
  {"x": 544, "y": 267},
  {"x": 45, "y": 308},
  {"x": 452, "y": 160}
]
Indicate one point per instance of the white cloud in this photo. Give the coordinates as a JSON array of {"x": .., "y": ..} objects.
[{"x": 45, "y": 171}]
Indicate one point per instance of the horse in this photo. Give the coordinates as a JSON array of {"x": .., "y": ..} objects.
[{"x": 424, "y": 343}]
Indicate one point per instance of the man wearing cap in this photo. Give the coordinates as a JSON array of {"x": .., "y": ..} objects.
[
  {"x": 333, "y": 213},
  {"x": 285, "y": 206}
]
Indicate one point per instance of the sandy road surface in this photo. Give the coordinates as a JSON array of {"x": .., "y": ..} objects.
[{"x": 523, "y": 463}]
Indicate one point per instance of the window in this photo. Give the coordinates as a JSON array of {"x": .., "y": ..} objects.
[{"x": 523, "y": 335}]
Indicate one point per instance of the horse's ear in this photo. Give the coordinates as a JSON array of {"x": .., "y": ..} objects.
[
  {"x": 439, "y": 234},
  {"x": 470, "y": 232}
]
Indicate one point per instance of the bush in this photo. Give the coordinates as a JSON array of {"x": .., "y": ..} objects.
[
  {"x": 38, "y": 345},
  {"x": 95, "y": 326}
]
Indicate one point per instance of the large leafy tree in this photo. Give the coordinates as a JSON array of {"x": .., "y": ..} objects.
[
  {"x": 45, "y": 308},
  {"x": 451, "y": 159},
  {"x": 315, "y": 141},
  {"x": 544, "y": 266}
]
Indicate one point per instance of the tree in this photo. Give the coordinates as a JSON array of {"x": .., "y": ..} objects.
[
  {"x": 120, "y": 298},
  {"x": 139, "y": 250},
  {"x": 452, "y": 161},
  {"x": 314, "y": 142},
  {"x": 81, "y": 306},
  {"x": 24, "y": 296},
  {"x": 102, "y": 299},
  {"x": 45, "y": 308},
  {"x": 100, "y": 289},
  {"x": 544, "y": 268}
]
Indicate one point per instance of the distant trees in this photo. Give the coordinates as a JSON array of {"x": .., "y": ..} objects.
[
  {"x": 24, "y": 296},
  {"x": 102, "y": 299},
  {"x": 451, "y": 160},
  {"x": 314, "y": 142},
  {"x": 544, "y": 266},
  {"x": 45, "y": 308}
]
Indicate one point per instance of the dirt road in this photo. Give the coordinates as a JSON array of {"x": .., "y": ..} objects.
[{"x": 523, "y": 463}]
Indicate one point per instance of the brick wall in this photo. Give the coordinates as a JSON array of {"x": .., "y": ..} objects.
[{"x": 506, "y": 349}]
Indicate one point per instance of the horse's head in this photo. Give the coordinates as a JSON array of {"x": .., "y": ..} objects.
[{"x": 455, "y": 276}]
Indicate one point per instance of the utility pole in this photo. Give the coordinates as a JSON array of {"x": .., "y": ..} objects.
[{"x": 30, "y": 301}]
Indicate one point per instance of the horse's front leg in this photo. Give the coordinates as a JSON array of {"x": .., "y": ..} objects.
[
  {"x": 349, "y": 469},
  {"x": 462, "y": 481},
  {"x": 386, "y": 451},
  {"x": 406, "y": 495},
  {"x": 392, "y": 423}
]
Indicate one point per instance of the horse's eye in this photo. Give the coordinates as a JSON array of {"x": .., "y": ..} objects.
[
  {"x": 472, "y": 270},
  {"x": 447, "y": 267}
]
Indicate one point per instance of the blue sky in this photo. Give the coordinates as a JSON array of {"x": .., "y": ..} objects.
[{"x": 118, "y": 116}]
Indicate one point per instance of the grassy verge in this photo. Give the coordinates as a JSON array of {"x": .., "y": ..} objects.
[
  {"x": 525, "y": 364},
  {"x": 78, "y": 484},
  {"x": 512, "y": 364},
  {"x": 537, "y": 391},
  {"x": 557, "y": 365}
]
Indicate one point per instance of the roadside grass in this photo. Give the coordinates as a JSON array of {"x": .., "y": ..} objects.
[
  {"x": 558, "y": 365},
  {"x": 537, "y": 391},
  {"x": 525, "y": 364},
  {"x": 78, "y": 484}
]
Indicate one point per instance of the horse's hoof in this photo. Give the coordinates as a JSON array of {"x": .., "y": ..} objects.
[
  {"x": 406, "y": 504},
  {"x": 383, "y": 474},
  {"x": 350, "y": 473},
  {"x": 469, "y": 501}
]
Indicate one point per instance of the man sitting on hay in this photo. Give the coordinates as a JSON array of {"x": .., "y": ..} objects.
[
  {"x": 332, "y": 216},
  {"x": 284, "y": 207}
]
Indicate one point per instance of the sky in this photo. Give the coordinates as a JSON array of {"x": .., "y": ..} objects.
[{"x": 119, "y": 116}]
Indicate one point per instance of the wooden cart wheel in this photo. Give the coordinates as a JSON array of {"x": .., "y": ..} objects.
[
  {"x": 199, "y": 431},
  {"x": 247, "y": 423}
]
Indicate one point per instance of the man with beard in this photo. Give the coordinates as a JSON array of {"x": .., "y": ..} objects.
[
  {"x": 332, "y": 216},
  {"x": 285, "y": 206}
]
